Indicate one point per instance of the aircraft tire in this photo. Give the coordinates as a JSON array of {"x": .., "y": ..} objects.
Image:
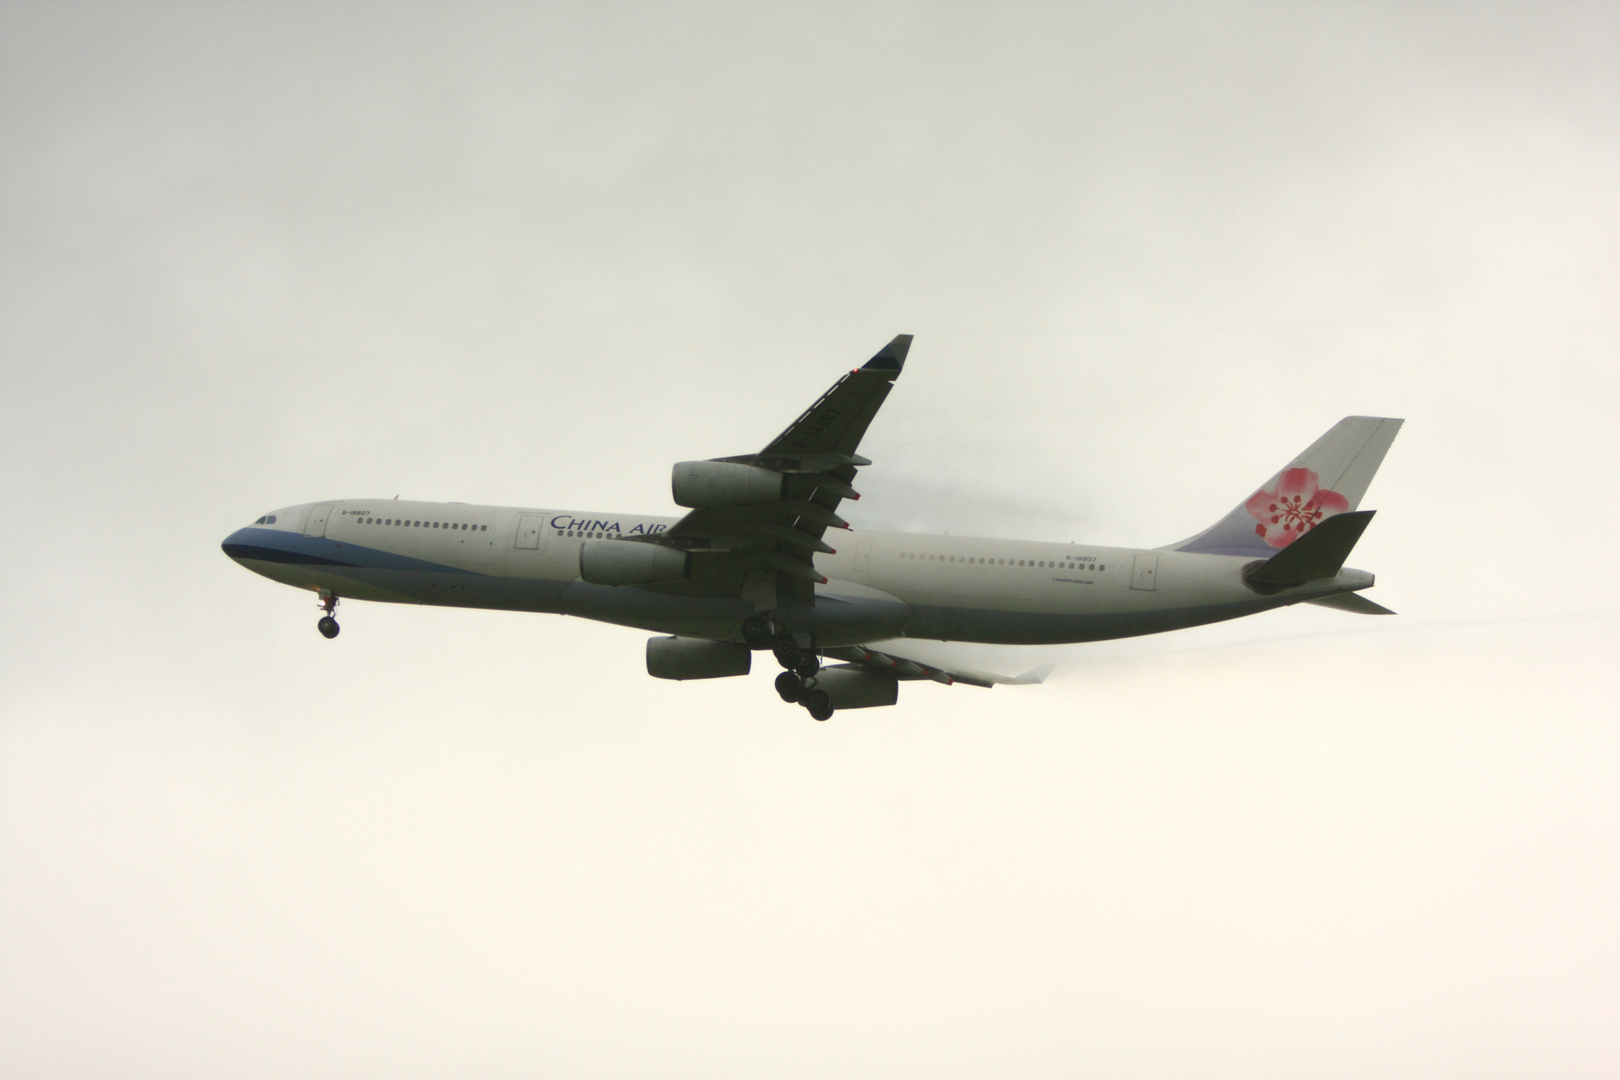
[
  {"x": 756, "y": 632},
  {"x": 786, "y": 651},
  {"x": 806, "y": 665},
  {"x": 789, "y": 687},
  {"x": 328, "y": 627},
  {"x": 819, "y": 704}
]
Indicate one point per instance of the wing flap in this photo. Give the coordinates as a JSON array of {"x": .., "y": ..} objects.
[
  {"x": 905, "y": 668},
  {"x": 816, "y": 456}
]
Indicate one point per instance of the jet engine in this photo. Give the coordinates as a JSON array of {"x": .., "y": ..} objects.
[
  {"x": 853, "y": 688},
  {"x": 704, "y": 484},
  {"x": 626, "y": 562},
  {"x": 696, "y": 658}
]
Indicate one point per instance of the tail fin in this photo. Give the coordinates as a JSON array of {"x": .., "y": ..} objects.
[{"x": 1329, "y": 478}]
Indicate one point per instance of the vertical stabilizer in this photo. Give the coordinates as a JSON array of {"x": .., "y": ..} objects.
[{"x": 1329, "y": 478}]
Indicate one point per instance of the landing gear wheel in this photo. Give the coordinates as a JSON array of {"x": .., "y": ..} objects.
[
  {"x": 789, "y": 686},
  {"x": 819, "y": 704},
  {"x": 756, "y": 632},
  {"x": 786, "y": 651},
  {"x": 328, "y": 626},
  {"x": 806, "y": 665}
]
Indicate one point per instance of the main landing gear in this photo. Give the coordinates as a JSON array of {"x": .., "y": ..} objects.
[
  {"x": 797, "y": 691},
  {"x": 757, "y": 632},
  {"x": 328, "y": 626},
  {"x": 797, "y": 655}
]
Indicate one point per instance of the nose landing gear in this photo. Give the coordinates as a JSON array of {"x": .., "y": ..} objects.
[{"x": 328, "y": 626}]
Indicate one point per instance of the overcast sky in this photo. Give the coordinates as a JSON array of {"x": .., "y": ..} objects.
[{"x": 256, "y": 255}]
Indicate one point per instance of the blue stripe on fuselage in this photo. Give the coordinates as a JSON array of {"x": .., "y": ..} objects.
[{"x": 280, "y": 546}]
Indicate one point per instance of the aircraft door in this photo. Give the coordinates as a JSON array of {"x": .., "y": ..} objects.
[
  {"x": 528, "y": 532},
  {"x": 1145, "y": 573},
  {"x": 863, "y": 557},
  {"x": 316, "y": 525}
]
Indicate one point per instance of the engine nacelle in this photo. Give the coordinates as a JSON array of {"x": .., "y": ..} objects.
[
  {"x": 696, "y": 658},
  {"x": 854, "y": 688},
  {"x": 704, "y": 484},
  {"x": 626, "y": 562}
]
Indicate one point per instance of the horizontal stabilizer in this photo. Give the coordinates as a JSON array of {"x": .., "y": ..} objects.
[
  {"x": 1318, "y": 554},
  {"x": 1353, "y": 602}
]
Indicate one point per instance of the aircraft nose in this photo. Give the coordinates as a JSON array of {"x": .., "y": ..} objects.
[{"x": 235, "y": 545}]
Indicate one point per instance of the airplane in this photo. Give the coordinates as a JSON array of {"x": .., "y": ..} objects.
[{"x": 762, "y": 561}]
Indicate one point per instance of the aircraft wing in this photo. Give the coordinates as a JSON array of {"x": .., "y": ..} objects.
[
  {"x": 778, "y": 537},
  {"x": 900, "y": 667}
]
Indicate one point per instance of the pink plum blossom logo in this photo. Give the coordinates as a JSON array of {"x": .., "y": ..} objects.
[{"x": 1293, "y": 508}]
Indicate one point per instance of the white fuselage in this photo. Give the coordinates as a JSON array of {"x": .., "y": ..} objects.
[{"x": 880, "y": 584}]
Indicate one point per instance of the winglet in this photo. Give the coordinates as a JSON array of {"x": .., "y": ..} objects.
[
  {"x": 892, "y": 357},
  {"x": 1032, "y": 677}
]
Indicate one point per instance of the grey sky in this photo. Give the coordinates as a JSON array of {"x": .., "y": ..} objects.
[{"x": 533, "y": 255}]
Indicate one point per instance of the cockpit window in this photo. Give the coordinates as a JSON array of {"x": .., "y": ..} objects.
[{"x": 268, "y": 519}]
